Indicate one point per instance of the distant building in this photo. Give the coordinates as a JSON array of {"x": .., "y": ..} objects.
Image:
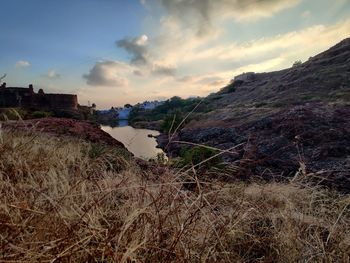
[
  {"x": 123, "y": 113},
  {"x": 11, "y": 97}
]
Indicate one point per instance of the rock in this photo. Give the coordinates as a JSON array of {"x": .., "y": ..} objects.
[{"x": 315, "y": 134}]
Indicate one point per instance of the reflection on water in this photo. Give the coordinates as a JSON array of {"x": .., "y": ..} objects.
[{"x": 136, "y": 141}]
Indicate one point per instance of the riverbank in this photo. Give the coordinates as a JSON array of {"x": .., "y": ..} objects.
[
  {"x": 89, "y": 131},
  {"x": 150, "y": 125}
]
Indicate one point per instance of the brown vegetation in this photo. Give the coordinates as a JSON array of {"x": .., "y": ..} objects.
[{"x": 65, "y": 200}]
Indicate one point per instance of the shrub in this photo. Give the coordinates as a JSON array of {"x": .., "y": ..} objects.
[
  {"x": 297, "y": 63},
  {"x": 12, "y": 114},
  {"x": 228, "y": 89},
  {"x": 40, "y": 114},
  {"x": 201, "y": 157},
  {"x": 172, "y": 122}
]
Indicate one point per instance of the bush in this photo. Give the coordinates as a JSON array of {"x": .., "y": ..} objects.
[
  {"x": 12, "y": 114},
  {"x": 40, "y": 114},
  {"x": 172, "y": 122},
  {"x": 228, "y": 89},
  {"x": 199, "y": 154},
  {"x": 162, "y": 112},
  {"x": 297, "y": 63}
]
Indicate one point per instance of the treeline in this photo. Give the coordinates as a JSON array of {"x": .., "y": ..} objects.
[{"x": 171, "y": 113}]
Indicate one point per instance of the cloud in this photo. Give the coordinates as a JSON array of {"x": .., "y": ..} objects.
[
  {"x": 186, "y": 79},
  {"x": 212, "y": 81},
  {"x": 136, "y": 47},
  {"x": 22, "y": 64},
  {"x": 52, "y": 74},
  {"x": 201, "y": 65},
  {"x": 138, "y": 73},
  {"x": 107, "y": 74},
  {"x": 166, "y": 70},
  {"x": 201, "y": 13},
  {"x": 306, "y": 14}
]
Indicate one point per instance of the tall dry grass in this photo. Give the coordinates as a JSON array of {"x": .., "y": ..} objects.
[{"x": 64, "y": 200}]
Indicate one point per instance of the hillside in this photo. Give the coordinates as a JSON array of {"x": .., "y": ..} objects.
[
  {"x": 283, "y": 120},
  {"x": 323, "y": 78}
]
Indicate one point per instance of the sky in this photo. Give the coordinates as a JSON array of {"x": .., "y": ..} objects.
[{"x": 113, "y": 52}]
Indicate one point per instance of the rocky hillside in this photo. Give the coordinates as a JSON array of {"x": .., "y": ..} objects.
[
  {"x": 323, "y": 78},
  {"x": 286, "y": 121}
]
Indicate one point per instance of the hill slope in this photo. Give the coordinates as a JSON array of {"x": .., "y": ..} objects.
[
  {"x": 323, "y": 78},
  {"x": 284, "y": 120}
]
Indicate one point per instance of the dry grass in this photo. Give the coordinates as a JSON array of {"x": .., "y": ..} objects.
[{"x": 64, "y": 200}]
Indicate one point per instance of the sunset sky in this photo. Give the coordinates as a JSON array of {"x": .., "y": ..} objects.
[{"x": 113, "y": 52}]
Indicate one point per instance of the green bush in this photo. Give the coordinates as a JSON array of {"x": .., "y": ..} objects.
[
  {"x": 162, "y": 112},
  {"x": 172, "y": 122},
  {"x": 40, "y": 114},
  {"x": 199, "y": 154},
  {"x": 12, "y": 114}
]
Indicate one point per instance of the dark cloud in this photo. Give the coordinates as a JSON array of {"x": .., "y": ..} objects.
[
  {"x": 166, "y": 70},
  {"x": 203, "y": 12},
  {"x": 136, "y": 47},
  {"x": 186, "y": 79},
  {"x": 138, "y": 73},
  {"x": 106, "y": 73},
  {"x": 139, "y": 50}
]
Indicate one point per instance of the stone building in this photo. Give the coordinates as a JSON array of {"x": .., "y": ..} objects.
[{"x": 11, "y": 97}]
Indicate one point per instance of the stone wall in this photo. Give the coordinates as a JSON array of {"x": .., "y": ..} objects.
[
  {"x": 27, "y": 98},
  {"x": 56, "y": 101}
]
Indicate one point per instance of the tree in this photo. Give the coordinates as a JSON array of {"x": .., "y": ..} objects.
[{"x": 127, "y": 105}]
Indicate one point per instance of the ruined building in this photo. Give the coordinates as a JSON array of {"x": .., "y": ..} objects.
[{"x": 27, "y": 98}]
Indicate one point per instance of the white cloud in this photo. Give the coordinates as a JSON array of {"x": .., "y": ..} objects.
[
  {"x": 52, "y": 74},
  {"x": 22, "y": 64},
  {"x": 306, "y": 14}
]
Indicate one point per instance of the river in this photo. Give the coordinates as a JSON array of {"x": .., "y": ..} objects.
[{"x": 137, "y": 141}]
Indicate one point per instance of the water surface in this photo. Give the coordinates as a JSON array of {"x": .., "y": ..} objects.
[{"x": 136, "y": 141}]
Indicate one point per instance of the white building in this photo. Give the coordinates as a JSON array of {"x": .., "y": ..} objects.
[{"x": 124, "y": 113}]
